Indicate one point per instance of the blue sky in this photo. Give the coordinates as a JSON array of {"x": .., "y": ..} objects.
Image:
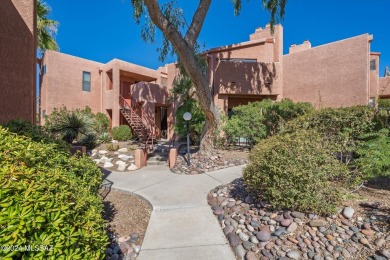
[{"x": 101, "y": 30}]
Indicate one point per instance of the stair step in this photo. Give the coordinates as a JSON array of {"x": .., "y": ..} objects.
[{"x": 157, "y": 163}]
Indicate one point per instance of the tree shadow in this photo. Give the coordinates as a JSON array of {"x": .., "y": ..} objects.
[
  {"x": 381, "y": 183},
  {"x": 109, "y": 211}
]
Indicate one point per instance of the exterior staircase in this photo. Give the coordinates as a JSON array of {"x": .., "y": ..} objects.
[{"x": 141, "y": 124}]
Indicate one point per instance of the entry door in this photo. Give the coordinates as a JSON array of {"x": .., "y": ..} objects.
[{"x": 164, "y": 122}]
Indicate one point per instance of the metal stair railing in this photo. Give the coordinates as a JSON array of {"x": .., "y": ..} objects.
[{"x": 137, "y": 111}]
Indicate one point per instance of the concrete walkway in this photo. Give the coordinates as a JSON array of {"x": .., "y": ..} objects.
[{"x": 182, "y": 225}]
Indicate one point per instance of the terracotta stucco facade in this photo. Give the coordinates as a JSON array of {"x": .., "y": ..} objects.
[
  {"x": 111, "y": 84},
  {"x": 17, "y": 60},
  {"x": 342, "y": 73}
]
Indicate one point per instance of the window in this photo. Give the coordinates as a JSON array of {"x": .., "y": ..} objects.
[
  {"x": 44, "y": 113},
  {"x": 372, "y": 102},
  {"x": 86, "y": 81},
  {"x": 44, "y": 70},
  {"x": 372, "y": 65}
]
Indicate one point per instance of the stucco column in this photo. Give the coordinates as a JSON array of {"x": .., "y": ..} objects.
[{"x": 116, "y": 89}]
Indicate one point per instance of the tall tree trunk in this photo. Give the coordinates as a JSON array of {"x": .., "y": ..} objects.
[
  {"x": 184, "y": 47},
  {"x": 209, "y": 130}
]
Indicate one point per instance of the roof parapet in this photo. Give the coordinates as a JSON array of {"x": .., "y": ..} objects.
[{"x": 300, "y": 47}]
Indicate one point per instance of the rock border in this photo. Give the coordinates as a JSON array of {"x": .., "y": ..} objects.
[{"x": 255, "y": 231}]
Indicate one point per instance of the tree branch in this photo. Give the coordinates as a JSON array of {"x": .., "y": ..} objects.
[
  {"x": 197, "y": 22},
  {"x": 169, "y": 30},
  {"x": 187, "y": 57}
]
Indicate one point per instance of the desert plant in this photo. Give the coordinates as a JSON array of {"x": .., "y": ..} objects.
[
  {"x": 121, "y": 133},
  {"x": 89, "y": 140},
  {"x": 133, "y": 147},
  {"x": 104, "y": 137},
  {"x": 297, "y": 171},
  {"x": 374, "y": 155},
  {"x": 112, "y": 147},
  {"x": 70, "y": 125},
  {"x": 49, "y": 200}
]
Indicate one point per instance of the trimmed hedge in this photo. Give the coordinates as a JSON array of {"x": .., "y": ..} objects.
[
  {"x": 48, "y": 200},
  {"x": 296, "y": 171}
]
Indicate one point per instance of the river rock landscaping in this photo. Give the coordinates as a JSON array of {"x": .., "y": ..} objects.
[
  {"x": 128, "y": 217},
  {"x": 219, "y": 160},
  {"x": 360, "y": 229},
  {"x": 120, "y": 160}
]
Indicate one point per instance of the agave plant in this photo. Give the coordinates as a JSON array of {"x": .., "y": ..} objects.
[
  {"x": 104, "y": 137},
  {"x": 72, "y": 125},
  {"x": 90, "y": 140}
]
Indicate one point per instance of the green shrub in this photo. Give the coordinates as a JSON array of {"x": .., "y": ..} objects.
[
  {"x": 49, "y": 198},
  {"x": 277, "y": 114},
  {"x": 374, "y": 155},
  {"x": 383, "y": 115},
  {"x": 297, "y": 171},
  {"x": 343, "y": 127},
  {"x": 35, "y": 132},
  {"x": 258, "y": 120},
  {"x": 247, "y": 122},
  {"x": 102, "y": 123},
  {"x": 384, "y": 103},
  {"x": 112, "y": 147},
  {"x": 133, "y": 147},
  {"x": 121, "y": 133}
]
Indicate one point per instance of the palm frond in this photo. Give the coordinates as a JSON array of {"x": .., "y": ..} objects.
[{"x": 46, "y": 28}]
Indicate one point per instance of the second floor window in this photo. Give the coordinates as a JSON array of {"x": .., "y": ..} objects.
[
  {"x": 86, "y": 81},
  {"x": 372, "y": 65}
]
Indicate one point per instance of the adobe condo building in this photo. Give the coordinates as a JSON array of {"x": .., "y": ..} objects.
[{"x": 342, "y": 73}]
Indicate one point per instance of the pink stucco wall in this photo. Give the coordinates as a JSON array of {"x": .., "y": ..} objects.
[
  {"x": 17, "y": 60},
  {"x": 153, "y": 96},
  {"x": 248, "y": 78},
  {"x": 300, "y": 47},
  {"x": 374, "y": 76},
  {"x": 331, "y": 75},
  {"x": 115, "y": 75},
  {"x": 247, "y": 71},
  {"x": 62, "y": 83},
  {"x": 263, "y": 46}
]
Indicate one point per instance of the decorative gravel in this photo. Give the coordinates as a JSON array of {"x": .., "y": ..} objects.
[
  {"x": 201, "y": 164},
  {"x": 255, "y": 231},
  {"x": 128, "y": 217},
  {"x": 120, "y": 160}
]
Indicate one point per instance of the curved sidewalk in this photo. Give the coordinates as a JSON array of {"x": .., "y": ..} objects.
[{"x": 182, "y": 225}]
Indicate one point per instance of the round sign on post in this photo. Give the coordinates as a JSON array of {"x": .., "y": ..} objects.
[{"x": 187, "y": 116}]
